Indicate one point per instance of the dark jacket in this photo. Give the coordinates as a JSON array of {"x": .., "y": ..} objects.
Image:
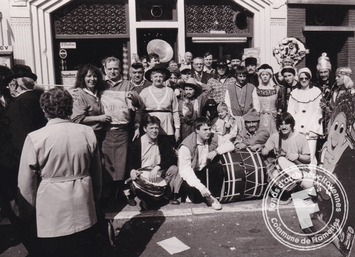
[
  {"x": 191, "y": 143},
  {"x": 204, "y": 77},
  {"x": 24, "y": 115},
  {"x": 167, "y": 154}
]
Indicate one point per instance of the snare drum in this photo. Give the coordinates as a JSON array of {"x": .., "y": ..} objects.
[
  {"x": 244, "y": 175},
  {"x": 153, "y": 189}
]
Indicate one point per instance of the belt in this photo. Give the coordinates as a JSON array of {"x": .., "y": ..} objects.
[
  {"x": 118, "y": 126},
  {"x": 64, "y": 179},
  {"x": 148, "y": 111}
]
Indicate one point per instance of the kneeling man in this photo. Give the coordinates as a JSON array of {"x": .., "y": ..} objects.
[
  {"x": 154, "y": 154},
  {"x": 196, "y": 154}
]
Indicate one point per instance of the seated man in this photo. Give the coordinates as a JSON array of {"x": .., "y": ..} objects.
[
  {"x": 154, "y": 153},
  {"x": 196, "y": 154},
  {"x": 290, "y": 150},
  {"x": 252, "y": 135}
]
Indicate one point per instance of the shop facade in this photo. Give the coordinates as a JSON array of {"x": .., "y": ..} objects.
[{"x": 52, "y": 36}]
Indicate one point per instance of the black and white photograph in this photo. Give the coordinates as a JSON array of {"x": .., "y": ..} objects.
[{"x": 187, "y": 128}]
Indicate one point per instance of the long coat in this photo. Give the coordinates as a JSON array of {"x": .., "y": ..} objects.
[{"x": 63, "y": 158}]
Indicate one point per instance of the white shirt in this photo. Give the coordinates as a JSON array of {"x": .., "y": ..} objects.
[
  {"x": 185, "y": 159},
  {"x": 150, "y": 155}
]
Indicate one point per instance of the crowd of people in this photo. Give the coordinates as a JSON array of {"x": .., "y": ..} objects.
[{"x": 157, "y": 136}]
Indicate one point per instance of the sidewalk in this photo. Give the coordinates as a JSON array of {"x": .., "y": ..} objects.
[{"x": 116, "y": 212}]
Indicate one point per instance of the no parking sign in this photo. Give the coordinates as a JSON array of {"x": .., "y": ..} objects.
[{"x": 63, "y": 53}]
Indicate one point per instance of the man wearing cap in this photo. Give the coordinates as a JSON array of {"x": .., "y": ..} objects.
[
  {"x": 120, "y": 100},
  {"x": 327, "y": 86},
  {"x": 186, "y": 73},
  {"x": 324, "y": 83},
  {"x": 252, "y": 136},
  {"x": 289, "y": 83},
  {"x": 235, "y": 61},
  {"x": 190, "y": 106},
  {"x": 250, "y": 65},
  {"x": 220, "y": 84},
  {"x": 23, "y": 115}
]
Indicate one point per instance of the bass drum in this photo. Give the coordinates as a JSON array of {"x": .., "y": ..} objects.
[
  {"x": 244, "y": 176},
  {"x": 142, "y": 185}
]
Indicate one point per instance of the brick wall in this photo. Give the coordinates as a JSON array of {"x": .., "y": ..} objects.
[
  {"x": 351, "y": 42},
  {"x": 296, "y": 20}
]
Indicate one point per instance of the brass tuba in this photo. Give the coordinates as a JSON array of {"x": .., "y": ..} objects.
[{"x": 161, "y": 48}]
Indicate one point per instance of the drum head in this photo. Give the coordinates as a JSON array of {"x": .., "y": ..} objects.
[{"x": 154, "y": 189}]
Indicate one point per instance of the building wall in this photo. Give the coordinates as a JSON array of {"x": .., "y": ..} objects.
[
  {"x": 27, "y": 27},
  {"x": 296, "y": 21}
]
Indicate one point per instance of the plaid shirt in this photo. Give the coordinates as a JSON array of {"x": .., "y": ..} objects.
[{"x": 219, "y": 89}]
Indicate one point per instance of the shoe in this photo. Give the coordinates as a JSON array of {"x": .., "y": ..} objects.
[
  {"x": 130, "y": 198},
  {"x": 143, "y": 205},
  {"x": 213, "y": 202},
  {"x": 175, "y": 200},
  {"x": 131, "y": 202}
]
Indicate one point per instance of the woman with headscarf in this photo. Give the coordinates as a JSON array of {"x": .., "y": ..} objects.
[{"x": 304, "y": 106}]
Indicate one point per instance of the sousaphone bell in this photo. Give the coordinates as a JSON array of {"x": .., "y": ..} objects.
[{"x": 161, "y": 48}]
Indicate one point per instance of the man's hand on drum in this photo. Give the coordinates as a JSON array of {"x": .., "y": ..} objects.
[
  {"x": 211, "y": 155},
  {"x": 240, "y": 146},
  {"x": 256, "y": 147},
  {"x": 292, "y": 156},
  {"x": 205, "y": 192},
  {"x": 135, "y": 174},
  {"x": 153, "y": 174}
]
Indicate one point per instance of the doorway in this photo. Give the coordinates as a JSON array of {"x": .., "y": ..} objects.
[{"x": 82, "y": 51}]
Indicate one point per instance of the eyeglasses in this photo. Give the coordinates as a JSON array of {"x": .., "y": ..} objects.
[
  {"x": 12, "y": 85},
  {"x": 304, "y": 78}
]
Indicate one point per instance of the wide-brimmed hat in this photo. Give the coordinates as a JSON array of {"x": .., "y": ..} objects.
[
  {"x": 251, "y": 115},
  {"x": 191, "y": 82},
  {"x": 20, "y": 71},
  {"x": 221, "y": 63},
  {"x": 159, "y": 67}
]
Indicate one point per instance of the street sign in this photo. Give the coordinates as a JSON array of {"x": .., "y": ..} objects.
[
  {"x": 68, "y": 45},
  {"x": 63, "y": 53}
]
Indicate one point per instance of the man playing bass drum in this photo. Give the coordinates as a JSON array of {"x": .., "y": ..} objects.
[{"x": 290, "y": 147}]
